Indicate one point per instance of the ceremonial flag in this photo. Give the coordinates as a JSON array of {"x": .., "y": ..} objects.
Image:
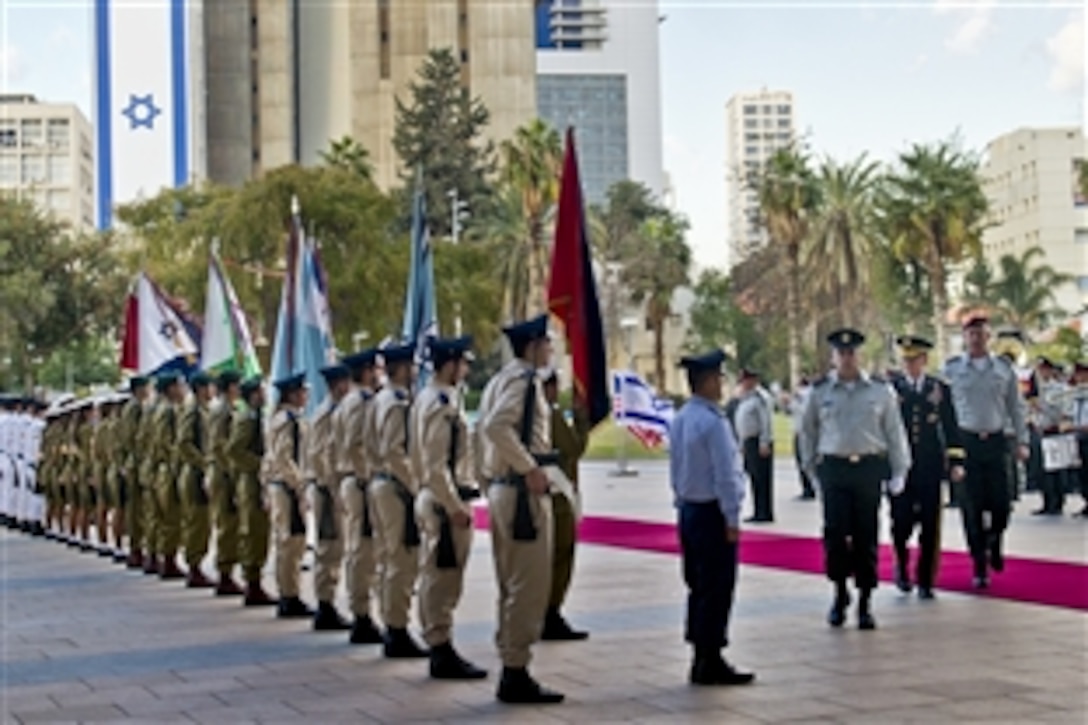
[
  {"x": 572, "y": 293},
  {"x": 156, "y": 337},
  {"x": 420, "y": 318},
  {"x": 636, "y": 407},
  {"x": 227, "y": 344}
]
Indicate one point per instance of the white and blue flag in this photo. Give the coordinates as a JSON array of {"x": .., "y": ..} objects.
[
  {"x": 637, "y": 407},
  {"x": 142, "y": 109},
  {"x": 420, "y": 318}
]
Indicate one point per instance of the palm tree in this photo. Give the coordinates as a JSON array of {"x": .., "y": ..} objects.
[
  {"x": 979, "y": 285},
  {"x": 348, "y": 154},
  {"x": 531, "y": 162},
  {"x": 933, "y": 211},
  {"x": 838, "y": 260},
  {"x": 789, "y": 200},
  {"x": 661, "y": 266},
  {"x": 1025, "y": 290},
  {"x": 502, "y": 229}
]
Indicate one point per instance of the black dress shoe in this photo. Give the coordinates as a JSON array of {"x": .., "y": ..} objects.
[
  {"x": 981, "y": 581},
  {"x": 328, "y": 619},
  {"x": 557, "y": 629},
  {"x": 363, "y": 631},
  {"x": 902, "y": 582},
  {"x": 447, "y": 664},
  {"x": 926, "y": 593},
  {"x": 866, "y": 623},
  {"x": 517, "y": 688},
  {"x": 837, "y": 616},
  {"x": 716, "y": 671},
  {"x": 399, "y": 645},
  {"x": 997, "y": 559},
  {"x": 293, "y": 608},
  {"x": 1040, "y": 512}
]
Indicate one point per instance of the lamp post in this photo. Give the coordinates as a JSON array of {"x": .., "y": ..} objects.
[{"x": 623, "y": 466}]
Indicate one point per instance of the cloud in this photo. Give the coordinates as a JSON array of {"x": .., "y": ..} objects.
[
  {"x": 1066, "y": 52},
  {"x": 919, "y": 61},
  {"x": 11, "y": 66},
  {"x": 976, "y": 21}
]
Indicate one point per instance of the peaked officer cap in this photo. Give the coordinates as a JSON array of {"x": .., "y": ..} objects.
[
  {"x": 911, "y": 346},
  {"x": 456, "y": 348},
  {"x": 228, "y": 378},
  {"x": 398, "y": 353},
  {"x": 522, "y": 333},
  {"x": 251, "y": 385},
  {"x": 709, "y": 361},
  {"x": 291, "y": 383},
  {"x": 362, "y": 359},
  {"x": 846, "y": 339},
  {"x": 335, "y": 372},
  {"x": 200, "y": 379}
]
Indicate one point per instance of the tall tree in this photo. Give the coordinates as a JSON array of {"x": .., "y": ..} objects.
[
  {"x": 712, "y": 312},
  {"x": 439, "y": 130},
  {"x": 1025, "y": 289},
  {"x": 933, "y": 211},
  {"x": 979, "y": 284},
  {"x": 789, "y": 201},
  {"x": 348, "y": 154},
  {"x": 653, "y": 276},
  {"x": 501, "y": 232}
]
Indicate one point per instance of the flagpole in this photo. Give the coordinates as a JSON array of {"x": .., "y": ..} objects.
[{"x": 623, "y": 467}]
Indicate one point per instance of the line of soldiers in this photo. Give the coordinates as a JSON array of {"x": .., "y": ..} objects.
[{"x": 387, "y": 477}]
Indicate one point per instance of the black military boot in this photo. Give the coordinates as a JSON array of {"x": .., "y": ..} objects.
[
  {"x": 400, "y": 645},
  {"x": 257, "y": 597},
  {"x": 517, "y": 687},
  {"x": 363, "y": 631},
  {"x": 837, "y": 616},
  {"x": 327, "y": 619},
  {"x": 293, "y": 608},
  {"x": 447, "y": 664},
  {"x": 902, "y": 578},
  {"x": 708, "y": 668},
  {"x": 865, "y": 617},
  {"x": 981, "y": 579},
  {"x": 557, "y": 629}
]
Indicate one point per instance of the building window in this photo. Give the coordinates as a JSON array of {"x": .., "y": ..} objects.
[
  {"x": 60, "y": 200},
  {"x": 57, "y": 134},
  {"x": 9, "y": 138},
  {"x": 384, "y": 60},
  {"x": 59, "y": 170},
  {"x": 33, "y": 169},
  {"x": 9, "y": 170},
  {"x": 783, "y": 123},
  {"x": 768, "y": 123},
  {"x": 750, "y": 110},
  {"x": 751, "y": 123},
  {"x": 768, "y": 109},
  {"x": 751, "y": 137},
  {"x": 33, "y": 132},
  {"x": 751, "y": 150},
  {"x": 784, "y": 110},
  {"x": 1082, "y": 283},
  {"x": 464, "y": 56},
  {"x": 1080, "y": 236},
  {"x": 784, "y": 136}
]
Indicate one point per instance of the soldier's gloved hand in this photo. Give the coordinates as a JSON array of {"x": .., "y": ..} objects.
[{"x": 897, "y": 485}]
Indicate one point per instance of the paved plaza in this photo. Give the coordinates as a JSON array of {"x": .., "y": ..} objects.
[{"x": 86, "y": 641}]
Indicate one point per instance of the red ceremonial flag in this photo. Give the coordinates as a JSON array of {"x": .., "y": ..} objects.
[{"x": 130, "y": 343}]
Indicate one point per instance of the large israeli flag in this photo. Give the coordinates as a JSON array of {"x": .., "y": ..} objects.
[{"x": 142, "y": 108}]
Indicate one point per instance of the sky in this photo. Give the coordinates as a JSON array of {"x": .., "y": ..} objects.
[{"x": 867, "y": 77}]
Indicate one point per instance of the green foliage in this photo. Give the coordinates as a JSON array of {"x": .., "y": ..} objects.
[
  {"x": 348, "y": 154},
  {"x": 1024, "y": 292},
  {"x": 80, "y": 364},
  {"x": 629, "y": 205},
  {"x": 1066, "y": 348},
  {"x": 713, "y": 313},
  {"x": 438, "y": 129}
]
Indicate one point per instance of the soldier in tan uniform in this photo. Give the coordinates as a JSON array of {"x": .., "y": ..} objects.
[
  {"x": 325, "y": 500},
  {"x": 515, "y": 439},
  {"x": 393, "y": 503},
  {"x": 439, "y": 447},
  {"x": 353, "y": 449},
  {"x": 286, "y": 446},
  {"x": 223, "y": 483}
]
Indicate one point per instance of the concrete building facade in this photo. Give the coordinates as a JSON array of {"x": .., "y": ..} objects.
[
  {"x": 47, "y": 156},
  {"x": 598, "y": 70},
  {"x": 757, "y": 125},
  {"x": 1030, "y": 180}
]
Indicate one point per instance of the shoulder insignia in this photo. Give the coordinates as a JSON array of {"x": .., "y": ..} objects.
[
  {"x": 443, "y": 398},
  {"x": 820, "y": 381},
  {"x": 401, "y": 395}
]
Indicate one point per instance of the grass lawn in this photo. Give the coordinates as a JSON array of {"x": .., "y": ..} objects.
[{"x": 605, "y": 441}]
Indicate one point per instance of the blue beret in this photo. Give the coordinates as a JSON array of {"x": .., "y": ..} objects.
[
  {"x": 200, "y": 379},
  {"x": 166, "y": 379},
  {"x": 228, "y": 378},
  {"x": 362, "y": 359},
  {"x": 712, "y": 360},
  {"x": 251, "y": 385},
  {"x": 846, "y": 339},
  {"x": 444, "y": 350},
  {"x": 398, "y": 353},
  {"x": 335, "y": 372},
  {"x": 137, "y": 381},
  {"x": 528, "y": 331},
  {"x": 291, "y": 383}
]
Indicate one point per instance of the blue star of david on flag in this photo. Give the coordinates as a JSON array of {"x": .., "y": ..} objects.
[
  {"x": 168, "y": 330},
  {"x": 141, "y": 111}
]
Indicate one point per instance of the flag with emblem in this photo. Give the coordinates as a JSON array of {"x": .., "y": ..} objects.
[
  {"x": 226, "y": 344},
  {"x": 142, "y": 99},
  {"x": 420, "y": 318},
  {"x": 155, "y": 336},
  {"x": 637, "y": 407}
]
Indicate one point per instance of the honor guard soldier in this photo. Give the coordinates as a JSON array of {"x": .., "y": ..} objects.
[
  {"x": 705, "y": 470},
  {"x": 325, "y": 500},
  {"x": 1078, "y": 415},
  {"x": 439, "y": 447},
  {"x": 145, "y": 446},
  {"x": 47, "y": 467},
  {"x": 755, "y": 432},
  {"x": 353, "y": 439},
  {"x": 105, "y": 432},
  {"x": 193, "y": 452},
  {"x": 287, "y": 438},
  {"x": 34, "y": 462},
  {"x": 925, "y": 403},
  {"x": 222, "y": 483},
  {"x": 986, "y": 398},
  {"x": 167, "y": 424},
  {"x": 246, "y": 456},
  {"x": 7, "y": 467},
  {"x": 393, "y": 493},
  {"x": 515, "y": 442},
  {"x": 86, "y": 483},
  {"x": 131, "y": 457},
  {"x": 1049, "y": 417},
  {"x": 853, "y": 441}
]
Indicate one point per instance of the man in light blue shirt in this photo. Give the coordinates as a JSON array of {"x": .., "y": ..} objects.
[{"x": 708, "y": 484}]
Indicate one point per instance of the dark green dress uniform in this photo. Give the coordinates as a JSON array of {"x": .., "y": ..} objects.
[
  {"x": 131, "y": 457},
  {"x": 166, "y": 466},
  {"x": 148, "y": 467},
  {"x": 222, "y": 484},
  {"x": 192, "y": 448}
]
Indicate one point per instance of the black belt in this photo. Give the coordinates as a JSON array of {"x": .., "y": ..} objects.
[
  {"x": 856, "y": 459},
  {"x": 982, "y": 435}
]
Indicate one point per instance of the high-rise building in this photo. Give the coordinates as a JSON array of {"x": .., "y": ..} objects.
[
  {"x": 757, "y": 125},
  {"x": 47, "y": 156},
  {"x": 1030, "y": 181},
  {"x": 286, "y": 77},
  {"x": 598, "y": 71}
]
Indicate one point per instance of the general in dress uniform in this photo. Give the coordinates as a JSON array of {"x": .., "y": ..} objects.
[
  {"x": 936, "y": 450},
  {"x": 986, "y": 398},
  {"x": 193, "y": 453},
  {"x": 222, "y": 482},
  {"x": 355, "y": 452},
  {"x": 853, "y": 441},
  {"x": 755, "y": 431},
  {"x": 392, "y": 495},
  {"x": 708, "y": 481},
  {"x": 514, "y": 440},
  {"x": 440, "y": 447}
]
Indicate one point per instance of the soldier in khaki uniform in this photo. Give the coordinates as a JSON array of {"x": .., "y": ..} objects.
[
  {"x": 193, "y": 451},
  {"x": 104, "y": 473},
  {"x": 439, "y": 446},
  {"x": 325, "y": 500},
  {"x": 130, "y": 457},
  {"x": 86, "y": 485},
  {"x": 115, "y": 478},
  {"x": 222, "y": 482},
  {"x": 245, "y": 452},
  {"x": 353, "y": 447},
  {"x": 515, "y": 441},
  {"x": 393, "y": 494},
  {"x": 165, "y": 466},
  {"x": 148, "y": 468},
  {"x": 286, "y": 446}
]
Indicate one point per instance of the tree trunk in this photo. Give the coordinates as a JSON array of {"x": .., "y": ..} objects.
[
  {"x": 537, "y": 302},
  {"x": 659, "y": 352},
  {"x": 793, "y": 315},
  {"x": 940, "y": 309}
]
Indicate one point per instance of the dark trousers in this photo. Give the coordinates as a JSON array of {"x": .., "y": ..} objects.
[
  {"x": 919, "y": 505},
  {"x": 760, "y": 472},
  {"x": 851, "y": 500},
  {"x": 710, "y": 572},
  {"x": 806, "y": 483},
  {"x": 986, "y": 488},
  {"x": 1053, "y": 490}
]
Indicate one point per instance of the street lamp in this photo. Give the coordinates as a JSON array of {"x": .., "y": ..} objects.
[
  {"x": 458, "y": 211},
  {"x": 623, "y": 466}
]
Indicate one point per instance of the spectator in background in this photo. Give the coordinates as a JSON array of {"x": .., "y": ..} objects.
[{"x": 797, "y": 408}]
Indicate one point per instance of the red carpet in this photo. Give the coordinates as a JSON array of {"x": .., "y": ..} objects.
[{"x": 1035, "y": 581}]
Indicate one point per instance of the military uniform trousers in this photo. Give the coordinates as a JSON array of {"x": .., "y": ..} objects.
[
  {"x": 329, "y": 554},
  {"x": 253, "y": 527},
  {"x": 851, "y": 501},
  {"x": 710, "y": 573},
  {"x": 760, "y": 470},
  {"x": 361, "y": 547},
  {"x": 1016, "y": 472},
  {"x": 1053, "y": 483},
  {"x": 523, "y": 571},
  {"x": 919, "y": 505},
  {"x": 224, "y": 511},
  {"x": 169, "y": 524},
  {"x": 564, "y": 537},
  {"x": 289, "y": 532},
  {"x": 134, "y": 508},
  {"x": 440, "y": 582},
  {"x": 400, "y": 563},
  {"x": 152, "y": 513},
  {"x": 196, "y": 521},
  {"x": 985, "y": 489}
]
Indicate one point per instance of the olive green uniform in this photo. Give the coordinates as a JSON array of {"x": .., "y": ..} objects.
[
  {"x": 165, "y": 463},
  {"x": 570, "y": 441},
  {"x": 223, "y": 484},
  {"x": 192, "y": 456},
  {"x": 129, "y": 456},
  {"x": 148, "y": 468},
  {"x": 245, "y": 451}
]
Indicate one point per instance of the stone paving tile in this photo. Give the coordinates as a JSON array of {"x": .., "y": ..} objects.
[{"x": 89, "y": 713}]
